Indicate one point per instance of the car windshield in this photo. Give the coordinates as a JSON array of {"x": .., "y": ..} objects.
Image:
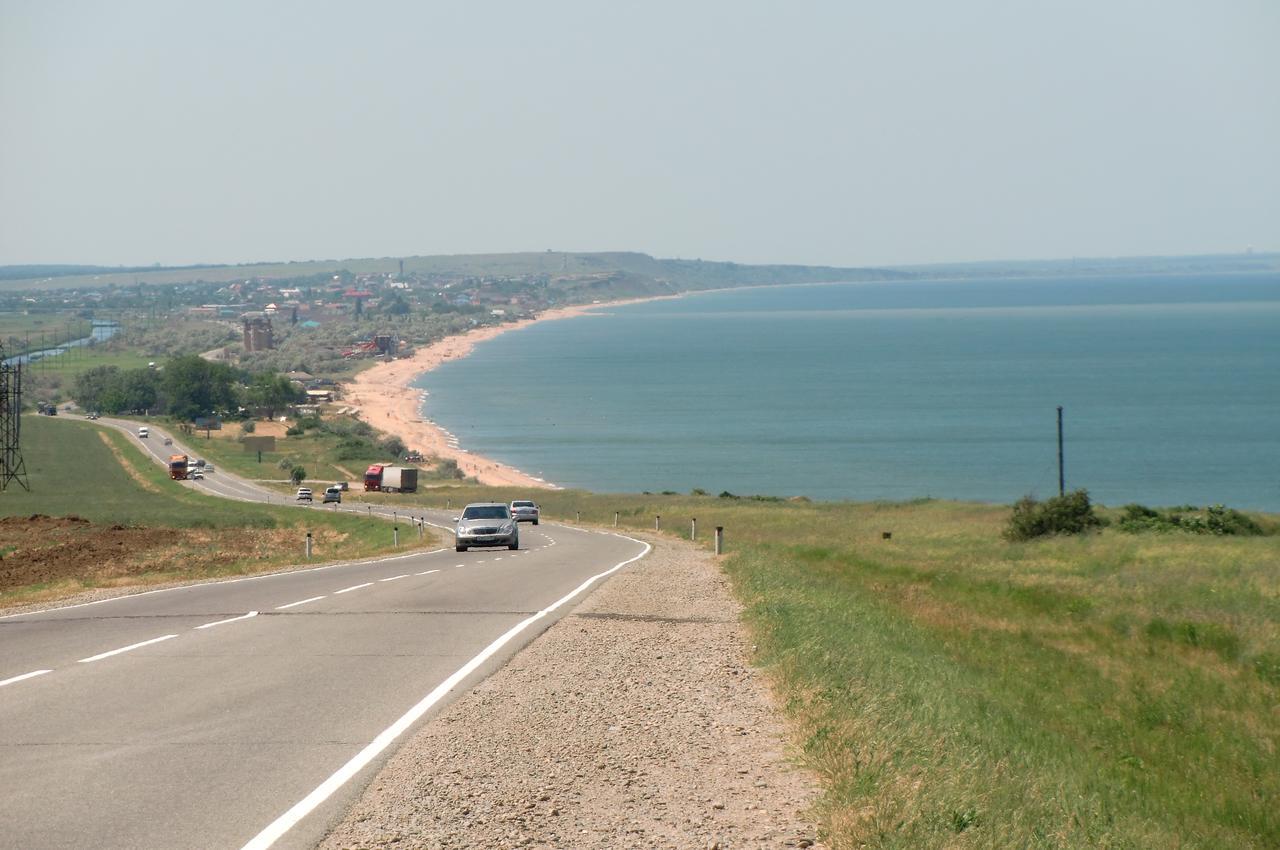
[{"x": 485, "y": 512}]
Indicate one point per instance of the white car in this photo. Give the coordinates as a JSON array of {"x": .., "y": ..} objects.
[
  {"x": 195, "y": 475},
  {"x": 524, "y": 511},
  {"x": 304, "y": 494}
]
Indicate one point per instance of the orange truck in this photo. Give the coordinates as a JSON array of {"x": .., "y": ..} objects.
[{"x": 178, "y": 467}]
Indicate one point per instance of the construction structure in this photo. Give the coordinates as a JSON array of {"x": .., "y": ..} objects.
[
  {"x": 12, "y": 466},
  {"x": 257, "y": 332}
]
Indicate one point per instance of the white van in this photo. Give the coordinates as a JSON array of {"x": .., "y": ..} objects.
[{"x": 143, "y": 432}]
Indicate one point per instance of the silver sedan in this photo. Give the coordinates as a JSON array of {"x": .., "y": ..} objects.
[{"x": 486, "y": 524}]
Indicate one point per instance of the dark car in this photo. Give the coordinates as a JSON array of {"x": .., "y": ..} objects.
[{"x": 486, "y": 524}]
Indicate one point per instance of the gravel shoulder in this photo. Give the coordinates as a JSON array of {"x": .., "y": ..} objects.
[{"x": 635, "y": 721}]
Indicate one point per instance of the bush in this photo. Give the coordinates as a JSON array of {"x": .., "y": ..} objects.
[
  {"x": 297, "y": 475},
  {"x": 294, "y": 431},
  {"x": 393, "y": 446},
  {"x": 1215, "y": 519},
  {"x": 1067, "y": 514},
  {"x": 247, "y": 426}
]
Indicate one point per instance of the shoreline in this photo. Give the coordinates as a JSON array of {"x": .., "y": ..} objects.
[{"x": 383, "y": 397}]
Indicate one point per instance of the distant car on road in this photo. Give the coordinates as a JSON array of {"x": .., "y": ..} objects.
[
  {"x": 341, "y": 485},
  {"x": 143, "y": 432},
  {"x": 168, "y": 441},
  {"x": 332, "y": 494},
  {"x": 195, "y": 475},
  {"x": 524, "y": 511},
  {"x": 304, "y": 494},
  {"x": 208, "y": 467},
  {"x": 486, "y": 524}
]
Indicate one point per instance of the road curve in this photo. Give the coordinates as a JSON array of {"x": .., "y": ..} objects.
[{"x": 249, "y": 712}]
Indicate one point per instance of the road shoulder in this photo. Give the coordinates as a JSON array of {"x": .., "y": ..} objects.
[{"x": 635, "y": 721}]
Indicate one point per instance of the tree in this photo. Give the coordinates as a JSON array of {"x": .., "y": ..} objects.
[
  {"x": 269, "y": 391},
  {"x": 297, "y": 475},
  {"x": 91, "y": 384},
  {"x": 195, "y": 387}
]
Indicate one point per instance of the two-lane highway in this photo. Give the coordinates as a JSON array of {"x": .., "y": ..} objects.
[{"x": 247, "y": 713}]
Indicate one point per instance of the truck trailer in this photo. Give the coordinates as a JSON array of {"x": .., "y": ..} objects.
[
  {"x": 384, "y": 478},
  {"x": 178, "y": 467}
]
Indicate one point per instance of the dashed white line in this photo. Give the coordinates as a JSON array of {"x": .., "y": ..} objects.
[
  {"x": 274, "y": 831},
  {"x": 103, "y": 655},
  {"x": 299, "y": 602},
  {"x": 426, "y": 573},
  {"x": 352, "y": 587},
  {"x": 30, "y": 675},
  {"x": 232, "y": 620},
  {"x": 393, "y": 578}
]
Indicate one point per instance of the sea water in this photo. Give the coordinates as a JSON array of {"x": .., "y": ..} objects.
[{"x": 1170, "y": 387}]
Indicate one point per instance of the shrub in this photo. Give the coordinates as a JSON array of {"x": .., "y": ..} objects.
[
  {"x": 297, "y": 475},
  {"x": 294, "y": 431},
  {"x": 1215, "y": 519},
  {"x": 393, "y": 446},
  {"x": 247, "y": 426},
  {"x": 1067, "y": 514}
]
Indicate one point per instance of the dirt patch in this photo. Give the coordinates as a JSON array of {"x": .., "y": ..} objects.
[
  {"x": 70, "y": 552},
  {"x": 138, "y": 477},
  {"x": 634, "y": 722}
]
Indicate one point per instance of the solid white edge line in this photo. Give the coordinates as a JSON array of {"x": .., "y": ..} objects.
[
  {"x": 300, "y": 602},
  {"x": 232, "y": 620},
  {"x": 393, "y": 578},
  {"x": 352, "y": 587},
  {"x": 277, "y": 828},
  {"x": 103, "y": 655},
  {"x": 30, "y": 675}
]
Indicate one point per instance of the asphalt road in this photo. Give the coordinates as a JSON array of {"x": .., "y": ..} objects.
[{"x": 250, "y": 712}]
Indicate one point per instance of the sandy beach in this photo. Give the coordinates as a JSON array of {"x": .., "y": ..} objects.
[{"x": 383, "y": 397}]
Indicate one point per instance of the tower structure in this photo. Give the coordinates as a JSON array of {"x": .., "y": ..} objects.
[{"x": 12, "y": 466}]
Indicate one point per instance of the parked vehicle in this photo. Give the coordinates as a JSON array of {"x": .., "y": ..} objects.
[
  {"x": 486, "y": 524},
  {"x": 178, "y": 467},
  {"x": 525, "y": 511},
  {"x": 332, "y": 494},
  {"x": 384, "y": 478},
  {"x": 143, "y": 432},
  {"x": 304, "y": 494}
]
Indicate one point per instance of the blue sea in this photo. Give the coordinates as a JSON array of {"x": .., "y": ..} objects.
[{"x": 1170, "y": 387}]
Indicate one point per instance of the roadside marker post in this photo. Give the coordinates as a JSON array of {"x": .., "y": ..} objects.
[
  {"x": 395, "y": 536},
  {"x": 657, "y": 522},
  {"x": 308, "y": 545},
  {"x": 719, "y": 539},
  {"x": 615, "y": 519},
  {"x": 693, "y": 529}
]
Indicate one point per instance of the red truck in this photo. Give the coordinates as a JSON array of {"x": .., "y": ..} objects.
[
  {"x": 385, "y": 478},
  {"x": 178, "y": 467}
]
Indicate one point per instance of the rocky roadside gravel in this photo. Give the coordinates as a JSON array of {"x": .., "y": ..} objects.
[{"x": 634, "y": 722}]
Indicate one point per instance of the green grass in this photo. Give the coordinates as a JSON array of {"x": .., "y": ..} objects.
[
  {"x": 315, "y": 451},
  {"x": 952, "y": 689},
  {"x": 72, "y": 471}
]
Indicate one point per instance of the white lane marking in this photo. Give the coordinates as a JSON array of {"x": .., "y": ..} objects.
[
  {"x": 103, "y": 655},
  {"x": 299, "y": 602},
  {"x": 352, "y": 587},
  {"x": 277, "y": 828},
  {"x": 232, "y": 620},
  {"x": 393, "y": 578},
  {"x": 427, "y": 573},
  {"x": 30, "y": 675}
]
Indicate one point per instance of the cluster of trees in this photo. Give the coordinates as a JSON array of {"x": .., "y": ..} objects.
[{"x": 187, "y": 387}]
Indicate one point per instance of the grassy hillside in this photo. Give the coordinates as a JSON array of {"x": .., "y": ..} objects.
[
  {"x": 99, "y": 475},
  {"x": 953, "y": 689}
]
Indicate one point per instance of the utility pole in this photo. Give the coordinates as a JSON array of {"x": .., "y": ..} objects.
[{"x": 1062, "y": 481}]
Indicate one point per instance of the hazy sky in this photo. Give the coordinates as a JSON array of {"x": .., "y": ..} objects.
[{"x": 852, "y": 133}]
